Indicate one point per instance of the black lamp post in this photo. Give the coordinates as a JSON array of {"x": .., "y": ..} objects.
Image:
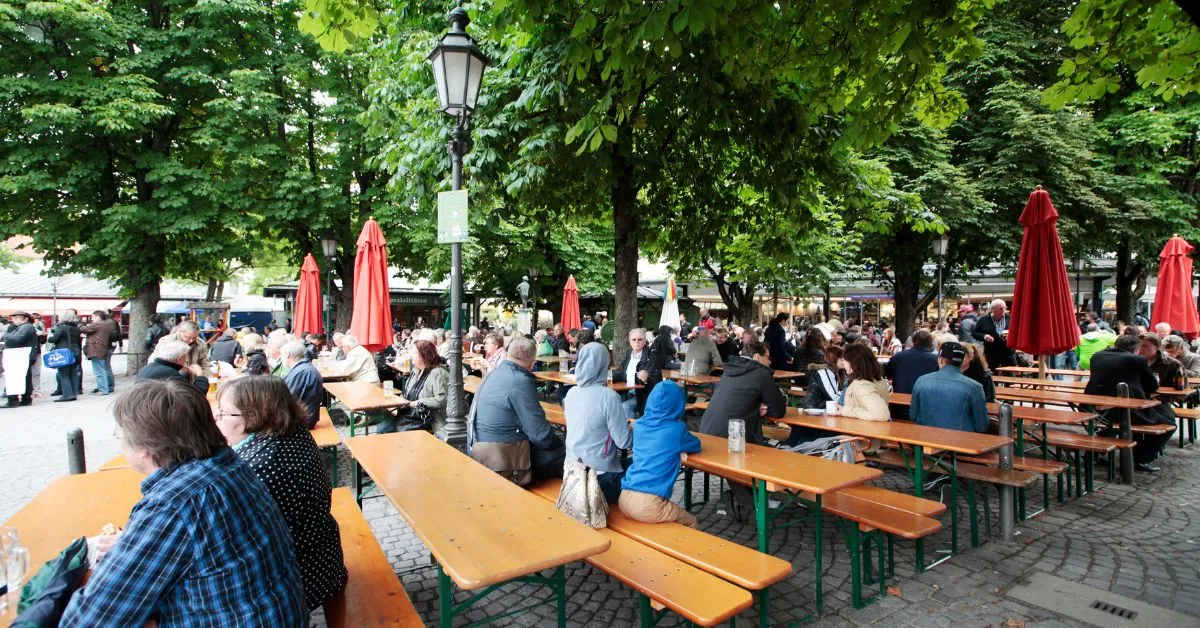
[
  {"x": 939, "y": 250},
  {"x": 1078, "y": 272},
  {"x": 458, "y": 71},
  {"x": 329, "y": 250}
]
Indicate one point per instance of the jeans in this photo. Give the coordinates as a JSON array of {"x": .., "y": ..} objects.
[
  {"x": 102, "y": 369},
  {"x": 610, "y": 485},
  {"x": 630, "y": 405},
  {"x": 67, "y": 379}
]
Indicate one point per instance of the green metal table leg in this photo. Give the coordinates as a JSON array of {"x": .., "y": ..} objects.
[
  {"x": 1045, "y": 478},
  {"x": 560, "y": 588},
  {"x": 1091, "y": 458},
  {"x": 853, "y": 544},
  {"x": 974, "y": 516},
  {"x": 817, "y": 526},
  {"x": 353, "y": 416},
  {"x": 645, "y": 613},
  {"x": 953, "y": 503},
  {"x": 445, "y": 599},
  {"x": 687, "y": 488},
  {"x": 764, "y": 609},
  {"x": 1020, "y": 451},
  {"x": 357, "y": 480},
  {"x": 919, "y": 491},
  {"x": 760, "y": 515}
]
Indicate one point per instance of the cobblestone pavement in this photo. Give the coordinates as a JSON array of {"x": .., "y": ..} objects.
[{"x": 1140, "y": 542}]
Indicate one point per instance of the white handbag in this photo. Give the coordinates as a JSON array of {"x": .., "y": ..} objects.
[{"x": 580, "y": 497}]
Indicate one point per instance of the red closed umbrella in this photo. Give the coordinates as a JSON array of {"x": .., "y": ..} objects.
[
  {"x": 1043, "y": 317},
  {"x": 1174, "y": 303},
  {"x": 371, "y": 322},
  {"x": 307, "y": 319},
  {"x": 570, "y": 308}
]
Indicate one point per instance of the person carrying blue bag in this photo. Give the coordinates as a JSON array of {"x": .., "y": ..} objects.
[{"x": 68, "y": 348}]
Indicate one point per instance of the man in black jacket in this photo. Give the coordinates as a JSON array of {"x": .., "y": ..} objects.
[
  {"x": 20, "y": 335},
  {"x": 169, "y": 361},
  {"x": 66, "y": 335},
  {"x": 747, "y": 391},
  {"x": 992, "y": 331},
  {"x": 639, "y": 366},
  {"x": 1120, "y": 364},
  {"x": 776, "y": 337}
]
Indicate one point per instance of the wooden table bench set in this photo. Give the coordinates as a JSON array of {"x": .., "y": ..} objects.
[
  {"x": 80, "y": 505},
  {"x": 866, "y": 513}
]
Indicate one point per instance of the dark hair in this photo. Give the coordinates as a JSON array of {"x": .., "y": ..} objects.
[
  {"x": 922, "y": 338},
  {"x": 863, "y": 362},
  {"x": 833, "y": 353},
  {"x": 1151, "y": 338},
  {"x": 155, "y": 318},
  {"x": 755, "y": 347},
  {"x": 814, "y": 341},
  {"x": 171, "y": 420},
  {"x": 429, "y": 354},
  {"x": 585, "y": 336},
  {"x": 1126, "y": 342},
  {"x": 266, "y": 403},
  {"x": 782, "y": 316}
]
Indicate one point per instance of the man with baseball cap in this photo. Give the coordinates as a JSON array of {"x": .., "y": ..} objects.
[{"x": 947, "y": 398}]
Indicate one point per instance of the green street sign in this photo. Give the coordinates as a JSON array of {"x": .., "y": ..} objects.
[{"x": 452, "y": 217}]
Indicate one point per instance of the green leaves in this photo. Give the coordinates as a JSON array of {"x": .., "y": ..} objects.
[{"x": 338, "y": 25}]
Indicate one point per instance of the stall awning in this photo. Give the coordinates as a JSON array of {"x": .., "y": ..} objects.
[{"x": 47, "y": 307}]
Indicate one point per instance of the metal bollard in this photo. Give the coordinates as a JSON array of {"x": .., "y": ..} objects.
[
  {"x": 76, "y": 463},
  {"x": 1126, "y": 432},
  {"x": 1006, "y": 461}
]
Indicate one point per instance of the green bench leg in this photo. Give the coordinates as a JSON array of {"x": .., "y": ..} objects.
[
  {"x": 891, "y": 557},
  {"x": 764, "y": 609},
  {"x": 1045, "y": 478},
  {"x": 1058, "y": 456},
  {"x": 953, "y": 503},
  {"x": 919, "y": 490},
  {"x": 987, "y": 511},
  {"x": 973, "y": 514},
  {"x": 687, "y": 488},
  {"x": 445, "y": 598},
  {"x": 853, "y": 540}
]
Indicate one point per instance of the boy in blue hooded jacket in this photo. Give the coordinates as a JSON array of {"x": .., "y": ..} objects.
[{"x": 660, "y": 440}]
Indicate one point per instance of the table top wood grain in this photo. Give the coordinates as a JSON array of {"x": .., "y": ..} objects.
[
  {"x": 900, "y": 432},
  {"x": 480, "y": 527},
  {"x": 362, "y": 396}
]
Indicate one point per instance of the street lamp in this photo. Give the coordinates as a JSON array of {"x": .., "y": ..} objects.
[
  {"x": 329, "y": 250},
  {"x": 1078, "y": 272},
  {"x": 458, "y": 71},
  {"x": 55, "y": 282},
  {"x": 939, "y": 250}
]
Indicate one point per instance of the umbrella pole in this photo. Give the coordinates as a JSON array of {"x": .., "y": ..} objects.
[{"x": 1042, "y": 366}]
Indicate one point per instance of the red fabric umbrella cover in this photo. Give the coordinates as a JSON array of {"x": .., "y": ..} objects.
[
  {"x": 307, "y": 319},
  {"x": 570, "y": 306},
  {"x": 371, "y": 323},
  {"x": 1174, "y": 303},
  {"x": 1043, "y": 317}
]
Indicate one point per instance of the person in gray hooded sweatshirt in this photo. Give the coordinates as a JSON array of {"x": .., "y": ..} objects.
[{"x": 596, "y": 427}]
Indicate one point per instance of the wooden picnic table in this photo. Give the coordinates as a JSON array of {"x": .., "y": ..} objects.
[
  {"x": 360, "y": 397},
  {"x": 1033, "y": 370},
  {"x": 329, "y": 375},
  {"x": 480, "y": 528},
  {"x": 918, "y": 437},
  {"x": 555, "y": 359},
  {"x": 690, "y": 380},
  {"x": 71, "y": 507},
  {"x": 559, "y": 377},
  {"x": 1065, "y": 398},
  {"x": 771, "y": 469},
  {"x": 786, "y": 374}
]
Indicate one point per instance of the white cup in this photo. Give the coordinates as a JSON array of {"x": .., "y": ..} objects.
[
  {"x": 389, "y": 388},
  {"x": 831, "y": 407}
]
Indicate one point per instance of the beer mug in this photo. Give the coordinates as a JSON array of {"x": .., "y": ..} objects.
[
  {"x": 389, "y": 388},
  {"x": 737, "y": 436}
]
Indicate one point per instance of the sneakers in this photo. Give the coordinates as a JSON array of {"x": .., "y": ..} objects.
[{"x": 1147, "y": 467}]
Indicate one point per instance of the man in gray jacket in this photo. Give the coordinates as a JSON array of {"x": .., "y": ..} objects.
[
  {"x": 507, "y": 408},
  {"x": 702, "y": 354}
]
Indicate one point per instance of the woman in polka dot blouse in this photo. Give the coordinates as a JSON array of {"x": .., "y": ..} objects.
[{"x": 265, "y": 426}]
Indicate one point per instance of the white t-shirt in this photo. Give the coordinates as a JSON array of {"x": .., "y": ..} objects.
[{"x": 631, "y": 369}]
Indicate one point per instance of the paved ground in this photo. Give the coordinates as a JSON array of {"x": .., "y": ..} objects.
[{"x": 1138, "y": 542}]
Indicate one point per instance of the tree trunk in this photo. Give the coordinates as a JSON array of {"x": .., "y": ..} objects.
[
  {"x": 1127, "y": 274},
  {"x": 343, "y": 298},
  {"x": 210, "y": 295},
  {"x": 625, "y": 248},
  {"x": 141, "y": 307}
]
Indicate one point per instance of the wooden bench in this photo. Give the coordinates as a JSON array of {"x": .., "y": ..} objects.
[
  {"x": 775, "y": 432},
  {"x": 1187, "y": 423},
  {"x": 669, "y": 582},
  {"x": 1020, "y": 463},
  {"x": 374, "y": 595},
  {"x": 697, "y": 406}
]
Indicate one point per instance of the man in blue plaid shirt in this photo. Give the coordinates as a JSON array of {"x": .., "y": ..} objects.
[{"x": 206, "y": 545}]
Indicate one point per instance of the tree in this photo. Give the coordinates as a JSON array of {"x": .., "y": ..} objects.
[
  {"x": 128, "y": 135},
  {"x": 1155, "y": 40},
  {"x": 595, "y": 96}
]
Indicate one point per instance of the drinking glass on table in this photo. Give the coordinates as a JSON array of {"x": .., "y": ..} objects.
[
  {"x": 737, "y": 436},
  {"x": 389, "y": 388},
  {"x": 16, "y": 563}
]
